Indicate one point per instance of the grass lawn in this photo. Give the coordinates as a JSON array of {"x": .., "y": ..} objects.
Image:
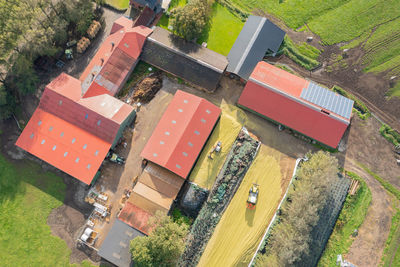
[
  {"x": 118, "y": 4},
  {"x": 223, "y": 31},
  {"x": 391, "y": 253},
  {"x": 351, "y": 217},
  {"x": 27, "y": 196}
]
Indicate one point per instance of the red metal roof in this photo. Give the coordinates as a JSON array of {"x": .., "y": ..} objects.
[
  {"x": 115, "y": 58},
  {"x": 63, "y": 145},
  {"x": 92, "y": 123},
  {"x": 135, "y": 217},
  {"x": 278, "y": 78},
  {"x": 284, "y": 108},
  {"x": 181, "y": 133}
]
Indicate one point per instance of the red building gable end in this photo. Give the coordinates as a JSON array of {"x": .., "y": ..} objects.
[
  {"x": 273, "y": 97},
  {"x": 181, "y": 133}
]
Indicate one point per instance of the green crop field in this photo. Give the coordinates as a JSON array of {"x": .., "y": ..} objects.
[{"x": 27, "y": 196}]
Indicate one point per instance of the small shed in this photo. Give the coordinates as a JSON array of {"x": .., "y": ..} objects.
[
  {"x": 258, "y": 36},
  {"x": 115, "y": 247}
]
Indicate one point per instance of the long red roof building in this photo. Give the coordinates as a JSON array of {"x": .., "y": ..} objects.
[
  {"x": 181, "y": 133},
  {"x": 299, "y": 104}
]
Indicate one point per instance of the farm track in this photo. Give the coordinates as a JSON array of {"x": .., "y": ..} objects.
[{"x": 367, "y": 247}]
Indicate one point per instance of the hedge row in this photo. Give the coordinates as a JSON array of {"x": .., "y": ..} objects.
[
  {"x": 290, "y": 50},
  {"x": 390, "y": 134},
  {"x": 234, "y": 10}
]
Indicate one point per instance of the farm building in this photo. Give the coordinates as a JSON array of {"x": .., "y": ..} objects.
[
  {"x": 258, "y": 37},
  {"x": 72, "y": 133},
  {"x": 181, "y": 133},
  {"x": 172, "y": 151},
  {"x": 296, "y": 103},
  {"x": 145, "y": 3},
  {"x": 189, "y": 61},
  {"x": 115, "y": 60},
  {"x": 78, "y": 121},
  {"x": 115, "y": 247}
]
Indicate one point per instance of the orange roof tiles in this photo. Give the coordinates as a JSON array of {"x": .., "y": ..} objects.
[
  {"x": 181, "y": 133},
  {"x": 63, "y": 145}
]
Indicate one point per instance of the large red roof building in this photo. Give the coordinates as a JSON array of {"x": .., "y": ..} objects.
[
  {"x": 299, "y": 104},
  {"x": 78, "y": 121},
  {"x": 181, "y": 133}
]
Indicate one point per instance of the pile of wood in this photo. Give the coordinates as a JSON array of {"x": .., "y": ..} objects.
[
  {"x": 82, "y": 45},
  {"x": 147, "y": 88},
  {"x": 93, "y": 29}
]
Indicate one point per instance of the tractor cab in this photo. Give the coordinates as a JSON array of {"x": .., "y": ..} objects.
[{"x": 253, "y": 196}]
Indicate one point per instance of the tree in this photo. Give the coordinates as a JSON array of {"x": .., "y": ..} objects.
[
  {"x": 163, "y": 246},
  {"x": 290, "y": 238},
  {"x": 190, "y": 20}
]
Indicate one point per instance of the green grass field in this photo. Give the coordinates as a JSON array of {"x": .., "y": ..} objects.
[
  {"x": 351, "y": 217},
  {"x": 223, "y": 31},
  {"x": 118, "y": 4},
  {"x": 27, "y": 196}
]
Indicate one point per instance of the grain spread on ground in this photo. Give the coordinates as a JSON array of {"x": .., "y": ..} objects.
[{"x": 240, "y": 229}]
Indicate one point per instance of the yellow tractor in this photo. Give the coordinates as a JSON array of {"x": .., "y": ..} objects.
[{"x": 253, "y": 196}]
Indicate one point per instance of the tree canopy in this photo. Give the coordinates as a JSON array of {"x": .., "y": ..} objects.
[
  {"x": 30, "y": 29},
  {"x": 300, "y": 213},
  {"x": 163, "y": 246},
  {"x": 190, "y": 20}
]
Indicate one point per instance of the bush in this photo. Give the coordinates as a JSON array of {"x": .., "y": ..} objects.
[{"x": 390, "y": 134}]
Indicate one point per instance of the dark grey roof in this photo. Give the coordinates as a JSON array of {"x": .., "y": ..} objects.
[
  {"x": 115, "y": 247},
  {"x": 257, "y": 37},
  {"x": 328, "y": 100}
]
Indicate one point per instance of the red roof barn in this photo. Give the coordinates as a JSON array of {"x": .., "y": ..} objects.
[
  {"x": 299, "y": 104},
  {"x": 78, "y": 121},
  {"x": 181, "y": 133}
]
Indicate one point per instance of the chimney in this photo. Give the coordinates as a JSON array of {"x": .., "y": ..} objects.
[
  {"x": 112, "y": 45},
  {"x": 102, "y": 61}
]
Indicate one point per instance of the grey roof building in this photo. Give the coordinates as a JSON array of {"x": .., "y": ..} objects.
[
  {"x": 192, "y": 62},
  {"x": 258, "y": 36},
  {"x": 115, "y": 247}
]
